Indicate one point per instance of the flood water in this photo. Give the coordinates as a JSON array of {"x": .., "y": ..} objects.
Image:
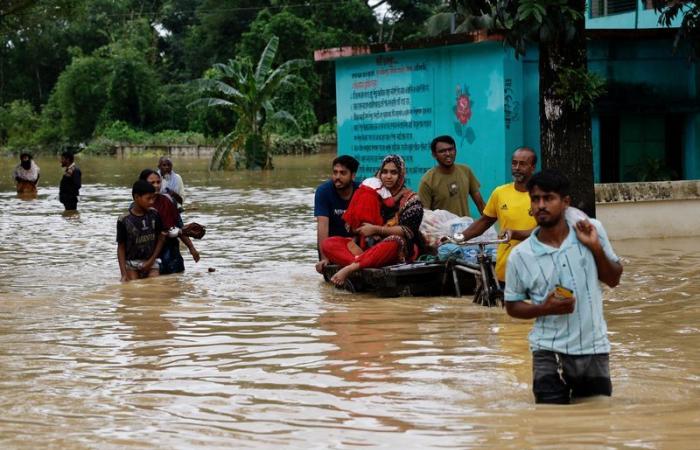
[{"x": 262, "y": 354}]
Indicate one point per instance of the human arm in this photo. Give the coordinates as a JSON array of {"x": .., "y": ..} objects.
[
  {"x": 609, "y": 271},
  {"x": 321, "y": 235},
  {"x": 425, "y": 194},
  {"x": 190, "y": 246},
  {"x": 478, "y": 201},
  {"x": 517, "y": 235},
  {"x": 77, "y": 178},
  {"x": 121, "y": 259},
  {"x": 553, "y": 305},
  {"x": 478, "y": 227},
  {"x": 408, "y": 226},
  {"x": 152, "y": 259}
]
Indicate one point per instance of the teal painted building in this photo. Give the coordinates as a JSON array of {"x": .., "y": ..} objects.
[{"x": 395, "y": 100}]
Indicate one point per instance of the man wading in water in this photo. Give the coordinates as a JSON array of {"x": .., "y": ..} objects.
[{"x": 558, "y": 268}]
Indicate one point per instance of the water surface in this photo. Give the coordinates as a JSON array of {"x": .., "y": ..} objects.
[{"x": 261, "y": 353}]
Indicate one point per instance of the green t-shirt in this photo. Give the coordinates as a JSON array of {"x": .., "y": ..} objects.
[{"x": 448, "y": 191}]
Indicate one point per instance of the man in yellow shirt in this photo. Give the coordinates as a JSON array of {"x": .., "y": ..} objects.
[{"x": 509, "y": 204}]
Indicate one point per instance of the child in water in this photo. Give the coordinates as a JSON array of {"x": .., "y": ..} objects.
[
  {"x": 139, "y": 235},
  {"x": 366, "y": 207}
]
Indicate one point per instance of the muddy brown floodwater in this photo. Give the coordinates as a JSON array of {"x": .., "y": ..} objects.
[{"x": 262, "y": 354}]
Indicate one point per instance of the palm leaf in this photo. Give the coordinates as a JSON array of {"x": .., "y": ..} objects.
[
  {"x": 223, "y": 150},
  {"x": 206, "y": 84},
  {"x": 268, "y": 55},
  {"x": 210, "y": 102}
]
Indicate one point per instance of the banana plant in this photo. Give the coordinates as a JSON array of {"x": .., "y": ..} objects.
[{"x": 249, "y": 92}]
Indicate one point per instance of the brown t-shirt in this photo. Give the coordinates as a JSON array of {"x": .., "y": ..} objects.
[{"x": 448, "y": 191}]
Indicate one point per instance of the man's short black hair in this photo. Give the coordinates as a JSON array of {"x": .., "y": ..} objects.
[
  {"x": 145, "y": 173},
  {"x": 348, "y": 162},
  {"x": 528, "y": 149},
  {"x": 550, "y": 180},
  {"x": 68, "y": 156},
  {"x": 25, "y": 155},
  {"x": 142, "y": 187},
  {"x": 446, "y": 139}
]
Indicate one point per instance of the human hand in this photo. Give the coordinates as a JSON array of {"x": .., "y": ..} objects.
[
  {"x": 367, "y": 229},
  {"x": 587, "y": 234},
  {"x": 147, "y": 264},
  {"x": 506, "y": 234},
  {"x": 557, "y": 305},
  {"x": 195, "y": 254},
  {"x": 321, "y": 265}
]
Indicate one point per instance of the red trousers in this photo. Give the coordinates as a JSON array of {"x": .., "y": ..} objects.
[{"x": 385, "y": 253}]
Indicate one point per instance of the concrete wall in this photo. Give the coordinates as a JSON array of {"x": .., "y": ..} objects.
[
  {"x": 661, "y": 209},
  {"x": 179, "y": 151}
]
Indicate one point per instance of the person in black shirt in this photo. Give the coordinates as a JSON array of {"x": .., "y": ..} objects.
[
  {"x": 139, "y": 235},
  {"x": 69, "y": 188}
]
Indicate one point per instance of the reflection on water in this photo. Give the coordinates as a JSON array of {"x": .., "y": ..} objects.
[{"x": 262, "y": 354}]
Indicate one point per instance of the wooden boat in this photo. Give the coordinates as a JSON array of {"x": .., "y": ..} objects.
[{"x": 434, "y": 278}]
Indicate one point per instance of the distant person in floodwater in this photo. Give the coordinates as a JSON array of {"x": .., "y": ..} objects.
[
  {"x": 71, "y": 182},
  {"x": 139, "y": 235},
  {"x": 171, "y": 259},
  {"x": 558, "y": 269},
  {"x": 26, "y": 175},
  {"x": 171, "y": 183},
  {"x": 398, "y": 238},
  {"x": 330, "y": 202}
]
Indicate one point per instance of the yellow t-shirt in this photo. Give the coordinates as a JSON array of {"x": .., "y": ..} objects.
[{"x": 512, "y": 210}]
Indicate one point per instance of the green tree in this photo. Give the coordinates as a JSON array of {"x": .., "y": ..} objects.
[
  {"x": 18, "y": 124},
  {"x": 688, "y": 32},
  {"x": 250, "y": 93},
  {"x": 557, "y": 28}
]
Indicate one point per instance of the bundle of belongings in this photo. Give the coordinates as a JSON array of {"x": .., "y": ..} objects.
[
  {"x": 194, "y": 230},
  {"x": 439, "y": 224}
]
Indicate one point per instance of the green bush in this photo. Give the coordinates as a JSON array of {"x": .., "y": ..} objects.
[
  {"x": 18, "y": 125},
  {"x": 294, "y": 145}
]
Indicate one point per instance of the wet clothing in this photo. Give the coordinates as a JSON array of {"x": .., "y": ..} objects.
[
  {"x": 559, "y": 378},
  {"x": 69, "y": 188},
  {"x": 327, "y": 203},
  {"x": 449, "y": 191},
  {"x": 31, "y": 175},
  {"x": 382, "y": 254},
  {"x": 139, "y": 234},
  {"x": 512, "y": 210},
  {"x": 171, "y": 258},
  {"x": 570, "y": 351}
]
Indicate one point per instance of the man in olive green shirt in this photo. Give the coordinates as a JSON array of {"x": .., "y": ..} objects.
[{"x": 448, "y": 185}]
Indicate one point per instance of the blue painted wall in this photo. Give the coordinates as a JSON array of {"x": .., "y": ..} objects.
[
  {"x": 641, "y": 18},
  {"x": 397, "y": 102}
]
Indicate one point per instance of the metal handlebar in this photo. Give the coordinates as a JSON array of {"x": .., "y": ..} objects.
[{"x": 459, "y": 240}]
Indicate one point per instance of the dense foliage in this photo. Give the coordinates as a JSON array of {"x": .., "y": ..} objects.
[{"x": 70, "y": 69}]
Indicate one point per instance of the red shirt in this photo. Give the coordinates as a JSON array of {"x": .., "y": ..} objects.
[{"x": 166, "y": 210}]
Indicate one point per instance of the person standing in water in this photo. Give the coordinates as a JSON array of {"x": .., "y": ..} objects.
[
  {"x": 559, "y": 269},
  {"x": 71, "y": 182},
  {"x": 26, "y": 175},
  {"x": 171, "y": 183}
]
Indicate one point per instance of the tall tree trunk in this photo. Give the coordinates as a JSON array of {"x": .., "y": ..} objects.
[{"x": 565, "y": 133}]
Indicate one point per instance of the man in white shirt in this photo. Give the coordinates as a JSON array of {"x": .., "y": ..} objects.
[{"x": 172, "y": 182}]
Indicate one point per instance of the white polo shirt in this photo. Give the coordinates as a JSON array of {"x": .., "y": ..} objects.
[{"x": 533, "y": 271}]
